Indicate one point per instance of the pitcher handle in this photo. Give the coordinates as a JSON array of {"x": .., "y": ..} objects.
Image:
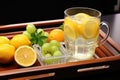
[{"x": 107, "y": 33}]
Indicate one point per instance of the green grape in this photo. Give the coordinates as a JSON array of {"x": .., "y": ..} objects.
[
  {"x": 55, "y": 43},
  {"x": 39, "y": 30},
  {"x": 27, "y": 34},
  {"x": 30, "y": 28},
  {"x": 48, "y": 59},
  {"x": 46, "y": 48},
  {"x": 53, "y": 49},
  {"x": 57, "y": 54}
]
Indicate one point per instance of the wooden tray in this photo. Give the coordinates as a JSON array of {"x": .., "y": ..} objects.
[{"x": 108, "y": 58}]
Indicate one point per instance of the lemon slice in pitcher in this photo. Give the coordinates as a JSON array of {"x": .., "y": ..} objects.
[
  {"x": 81, "y": 17},
  {"x": 91, "y": 28},
  {"x": 70, "y": 28},
  {"x": 25, "y": 56}
]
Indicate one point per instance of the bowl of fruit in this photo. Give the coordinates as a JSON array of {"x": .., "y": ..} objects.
[{"x": 51, "y": 53}]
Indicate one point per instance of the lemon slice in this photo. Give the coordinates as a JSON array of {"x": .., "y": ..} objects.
[
  {"x": 91, "y": 28},
  {"x": 70, "y": 28},
  {"x": 81, "y": 17},
  {"x": 25, "y": 56}
]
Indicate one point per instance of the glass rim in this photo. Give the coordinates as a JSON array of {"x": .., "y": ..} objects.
[{"x": 92, "y": 9}]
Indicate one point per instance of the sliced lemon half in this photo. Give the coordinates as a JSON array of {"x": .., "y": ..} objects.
[{"x": 25, "y": 56}]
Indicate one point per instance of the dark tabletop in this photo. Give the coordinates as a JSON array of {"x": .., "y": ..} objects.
[{"x": 113, "y": 21}]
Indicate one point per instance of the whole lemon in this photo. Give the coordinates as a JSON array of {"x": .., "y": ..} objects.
[
  {"x": 4, "y": 39},
  {"x": 6, "y": 53},
  {"x": 19, "y": 40}
]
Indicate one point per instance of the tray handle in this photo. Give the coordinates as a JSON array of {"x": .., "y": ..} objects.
[
  {"x": 93, "y": 68},
  {"x": 46, "y": 75},
  {"x": 52, "y": 74}
]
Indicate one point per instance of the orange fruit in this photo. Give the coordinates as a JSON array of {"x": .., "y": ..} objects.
[
  {"x": 56, "y": 34},
  {"x": 6, "y": 53},
  {"x": 25, "y": 56},
  {"x": 4, "y": 39},
  {"x": 19, "y": 40}
]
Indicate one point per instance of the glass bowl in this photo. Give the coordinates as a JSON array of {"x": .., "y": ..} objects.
[{"x": 53, "y": 59}]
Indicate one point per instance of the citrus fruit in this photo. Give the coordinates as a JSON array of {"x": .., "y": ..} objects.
[
  {"x": 70, "y": 28},
  {"x": 56, "y": 34},
  {"x": 25, "y": 56},
  {"x": 73, "y": 25},
  {"x": 81, "y": 17},
  {"x": 6, "y": 53},
  {"x": 19, "y": 40},
  {"x": 4, "y": 39},
  {"x": 91, "y": 28}
]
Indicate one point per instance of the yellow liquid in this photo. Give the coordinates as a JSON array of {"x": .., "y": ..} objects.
[{"x": 81, "y": 34}]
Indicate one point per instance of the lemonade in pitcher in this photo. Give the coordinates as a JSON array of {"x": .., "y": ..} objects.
[{"x": 81, "y": 35}]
